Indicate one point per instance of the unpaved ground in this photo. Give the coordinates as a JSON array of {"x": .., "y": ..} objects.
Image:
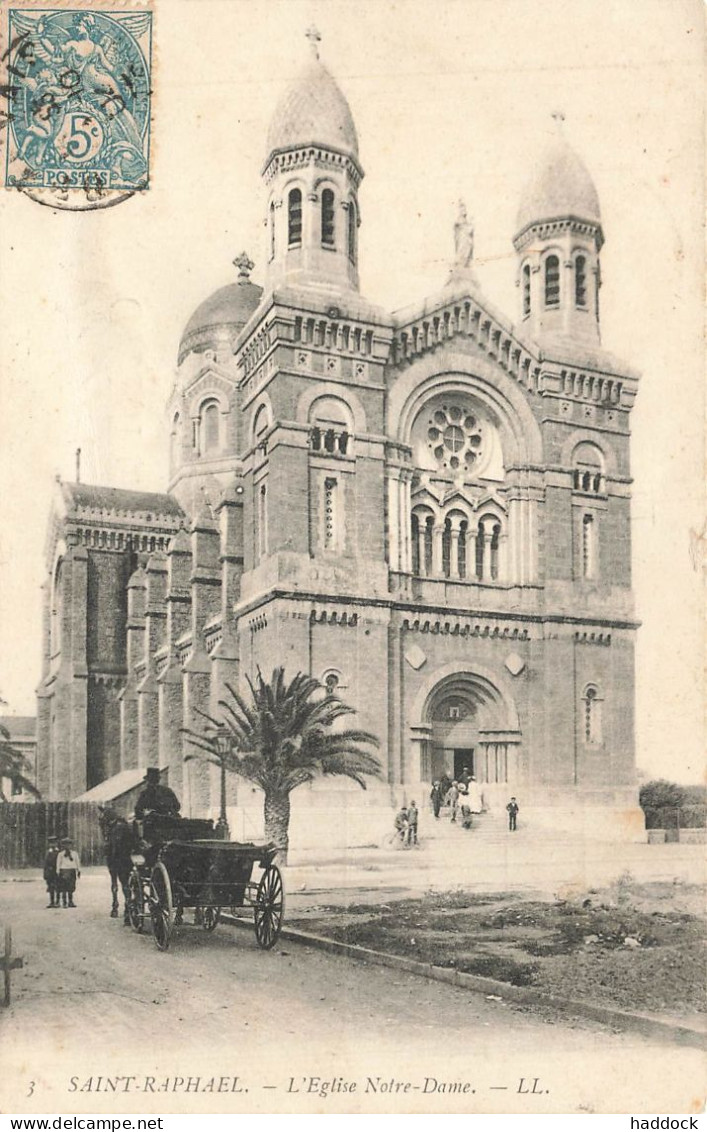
[
  {"x": 636, "y": 946},
  {"x": 94, "y": 999}
]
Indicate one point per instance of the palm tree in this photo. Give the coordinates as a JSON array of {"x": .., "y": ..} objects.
[
  {"x": 13, "y": 764},
  {"x": 280, "y": 737}
]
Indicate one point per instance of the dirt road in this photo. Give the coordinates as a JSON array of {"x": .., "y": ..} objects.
[{"x": 219, "y": 1024}]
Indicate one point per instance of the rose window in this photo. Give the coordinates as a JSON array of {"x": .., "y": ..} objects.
[{"x": 455, "y": 437}]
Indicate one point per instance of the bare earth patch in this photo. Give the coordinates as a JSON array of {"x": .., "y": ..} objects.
[{"x": 633, "y": 946}]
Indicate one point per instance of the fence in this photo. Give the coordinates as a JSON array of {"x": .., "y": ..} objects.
[{"x": 25, "y": 827}]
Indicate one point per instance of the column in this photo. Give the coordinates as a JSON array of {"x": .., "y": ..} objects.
[
  {"x": 421, "y": 550},
  {"x": 471, "y": 537},
  {"x": 454, "y": 550},
  {"x": 486, "y": 567},
  {"x": 437, "y": 537}
]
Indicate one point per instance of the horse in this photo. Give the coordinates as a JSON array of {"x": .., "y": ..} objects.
[{"x": 118, "y": 838}]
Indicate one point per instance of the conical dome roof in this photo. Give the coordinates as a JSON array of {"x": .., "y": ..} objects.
[
  {"x": 560, "y": 186},
  {"x": 313, "y": 111}
]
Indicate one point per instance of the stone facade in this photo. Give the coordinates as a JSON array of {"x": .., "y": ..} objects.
[{"x": 428, "y": 510}]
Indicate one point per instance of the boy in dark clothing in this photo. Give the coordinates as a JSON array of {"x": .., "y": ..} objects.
[
  {"x": 50, "y": 878},
  {"x": 512, "y": 808}
]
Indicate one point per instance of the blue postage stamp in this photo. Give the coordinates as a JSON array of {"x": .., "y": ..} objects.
[{"x": 79, "y": 101}]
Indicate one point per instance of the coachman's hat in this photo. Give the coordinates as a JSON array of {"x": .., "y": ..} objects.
[{"x": 152, "y": 774}]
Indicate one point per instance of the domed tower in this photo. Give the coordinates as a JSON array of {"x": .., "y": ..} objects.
[
  {"x": 202, "y": 407},
  {"x": 559, "y": 237},
  {"x": 312, "y": 174}
]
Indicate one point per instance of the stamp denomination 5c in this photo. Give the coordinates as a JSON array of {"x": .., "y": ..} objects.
[{"x": 78, "y": 104}]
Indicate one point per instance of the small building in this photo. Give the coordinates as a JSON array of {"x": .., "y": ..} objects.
[{"x": 22, "y": 737}]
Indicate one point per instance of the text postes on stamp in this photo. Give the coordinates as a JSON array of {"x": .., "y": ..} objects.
[{"x": 78, "y": 104}]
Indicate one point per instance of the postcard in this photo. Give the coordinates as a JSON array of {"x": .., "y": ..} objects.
[{"x": 352, "y": 557}]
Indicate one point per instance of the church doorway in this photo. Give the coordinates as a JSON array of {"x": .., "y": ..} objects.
[{"x": 470, "y": 727}]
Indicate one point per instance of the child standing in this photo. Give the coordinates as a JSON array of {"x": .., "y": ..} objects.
[
  {"x": 68, "y": 870},
  {"x": 50, "y": 878}
]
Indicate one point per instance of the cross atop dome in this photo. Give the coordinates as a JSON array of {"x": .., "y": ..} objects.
[
  {"x": 314, "y": 36},
  {"x": 244, "y": 264}
]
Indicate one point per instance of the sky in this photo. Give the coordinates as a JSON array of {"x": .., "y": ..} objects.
[{"x": 451, "y": 98}]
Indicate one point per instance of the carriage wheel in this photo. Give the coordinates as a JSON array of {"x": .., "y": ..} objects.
[
  {"x": 136, "y": 901},
  {"x": 269, "y": 907},
  {"x": 161, "y": 906},
  {"x": 210, "y": 918}
]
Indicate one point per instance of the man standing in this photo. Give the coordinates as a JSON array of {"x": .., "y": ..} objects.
[
  {"x": 156, "y": 798},
  {"x": 512, "y": 808},
  {"x": 50, "y": 877}
]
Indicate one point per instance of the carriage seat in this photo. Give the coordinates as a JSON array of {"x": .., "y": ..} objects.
[{"x": 157, "y": 828}]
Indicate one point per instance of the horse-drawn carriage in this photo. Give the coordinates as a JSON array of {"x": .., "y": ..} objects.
[{"x": 180, "y": 864}]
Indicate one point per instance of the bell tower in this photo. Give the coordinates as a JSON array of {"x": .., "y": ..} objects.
[
  {"x": 312, "y": 175},
  {"x": 559, "y": 237}
]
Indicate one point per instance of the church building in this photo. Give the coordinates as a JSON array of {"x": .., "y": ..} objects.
[{"x": 427, "y": 510}]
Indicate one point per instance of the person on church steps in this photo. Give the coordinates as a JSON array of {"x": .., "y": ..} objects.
[
  {"x": 513, "y": 809},
  {"x": 453, "y": 800},
  {"x": 401, "y": 825},
  {"x": 50, "y": 877},
  {"x": 68, "y": 871},
  {"x": 437, "y": 797},
  {"x": 156, "y": 798},
  {"x": 412, "y": 824},
  {"x": 444, "y": 784}
]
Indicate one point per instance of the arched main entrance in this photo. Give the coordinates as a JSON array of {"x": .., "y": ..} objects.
[{"x": 468, "y": 721}]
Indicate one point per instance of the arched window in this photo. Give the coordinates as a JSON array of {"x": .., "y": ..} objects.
[
  {"x": 463, "y": 528},
  {"x": 552, "y": 281},
  {"x": 415, "y": 541},
  {"x": 294, "y": 217},
  {"x": 495, "y": 544},
  {"x": 328, "y": 218},
  {"x": 580, "y": 281},
  {"x": 588, "y": 547},
  {"x": 526, "y": 290},
  {"x": 352, "y": 231},
  {"x": 447, "y": 548},
  {"x": 272, "y": 231},
  {"x": 422, "y": 538},
  {"x": 210, "y": 427},
  {"x": 592, "y": 714},
  {"x": 588, "y": 471},
  {"x": 488, "y": 549}
]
